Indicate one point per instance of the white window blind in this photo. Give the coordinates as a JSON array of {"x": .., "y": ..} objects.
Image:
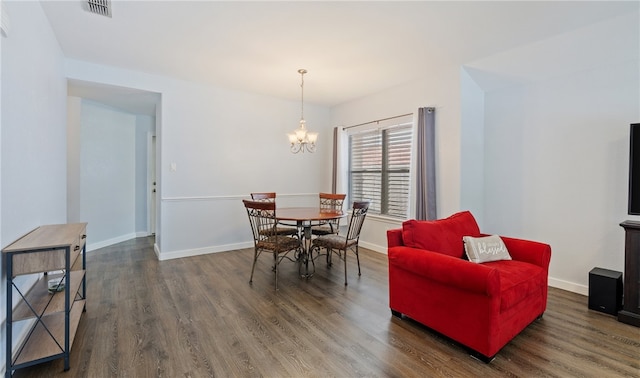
[{"x": 379, "y": 169}]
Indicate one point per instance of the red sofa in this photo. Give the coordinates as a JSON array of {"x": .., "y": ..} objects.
[{"x": 481, "y": 306}]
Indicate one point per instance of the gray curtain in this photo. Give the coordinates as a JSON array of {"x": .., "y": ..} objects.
[
  {"x": 426, "y": 165},
  {"x": 334, "y": 172}
]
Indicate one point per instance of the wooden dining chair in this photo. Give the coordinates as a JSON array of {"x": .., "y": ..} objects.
[
  {"x": 340, "y": 244},
  {"x": 332, "y": 202},
  {"x": 265, "y": 236},
  {"x": 271, "y": 197}
]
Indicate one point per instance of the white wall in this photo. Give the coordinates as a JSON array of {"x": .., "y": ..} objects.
[
  {"x": 567, "y": 181},
  {"x": 3, "y": 273},
  {"x": 107, "y": 173},
  {"x": 157, "y": 198},
  {"x": 33, "y": 124},
  {"x": 145, "y": 126},
  {"x": 74, "y": 124},
  {"x": 557, "y": 145},
  {"x": 33, "y": 121},
  {"x": 224, "y": 144},
  {"x": 472, "y": 164},
  {"x": 2, "y": 244}
]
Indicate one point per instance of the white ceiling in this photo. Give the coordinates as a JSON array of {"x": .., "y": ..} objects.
[{"x": 351, "y": 49}]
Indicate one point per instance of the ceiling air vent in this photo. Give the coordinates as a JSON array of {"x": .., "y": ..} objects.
[{"x": 101, "y": 7}]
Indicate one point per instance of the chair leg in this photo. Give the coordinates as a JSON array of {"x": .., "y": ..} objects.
[
  {"x": 275, "y": 261},
  {"x": 253, "y": 267},
  {"x": 345, "y": 267},
  {"x": 358, "y": 259}
]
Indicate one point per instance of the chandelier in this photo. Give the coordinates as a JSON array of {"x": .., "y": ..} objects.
[{"x": 301, "y": 139}]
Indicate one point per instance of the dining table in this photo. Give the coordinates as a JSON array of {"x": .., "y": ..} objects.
[{"x": 304, "y": 218}]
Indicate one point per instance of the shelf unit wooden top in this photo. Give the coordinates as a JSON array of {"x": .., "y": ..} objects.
[{"x": 48, "y": 237}]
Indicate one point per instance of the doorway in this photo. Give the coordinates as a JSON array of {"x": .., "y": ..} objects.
[{"x": 115, "y": 214}]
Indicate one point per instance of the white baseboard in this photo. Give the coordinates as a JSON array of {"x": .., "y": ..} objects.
[
  {"x": 200, "y": 251},
  {"x": 106, "y": 243},
  {"x": 569, "y": 286},
  {"x": 373, "y": 247},
  {"x": 156, "y": 250},
  {"x": 116, "y": 240}
]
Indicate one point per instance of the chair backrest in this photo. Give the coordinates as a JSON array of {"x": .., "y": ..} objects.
[
  {"x": 440, "y": 235},
  {"x": 331, "y": 201},
  {"x": 264, "y": 197},
  {"x": 262, "y": 218},
  {"x": 358, "y": 213}
]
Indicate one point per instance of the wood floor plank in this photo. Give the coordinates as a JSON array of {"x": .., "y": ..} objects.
[{"x": 200, "y": 317}]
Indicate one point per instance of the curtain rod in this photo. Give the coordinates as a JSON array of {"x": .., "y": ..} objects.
[{"x": 377, "y": 120}]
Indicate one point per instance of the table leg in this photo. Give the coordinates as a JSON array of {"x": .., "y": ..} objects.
[{"x": 305, "y": 239}]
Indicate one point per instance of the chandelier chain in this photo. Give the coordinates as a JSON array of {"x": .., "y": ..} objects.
[{"x": 302, "y": 72}]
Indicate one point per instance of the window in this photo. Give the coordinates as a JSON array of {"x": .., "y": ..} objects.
[{"x": 379, "y": 162}]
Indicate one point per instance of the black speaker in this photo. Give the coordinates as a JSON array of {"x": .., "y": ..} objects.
[{"x": 605, "y": 290}]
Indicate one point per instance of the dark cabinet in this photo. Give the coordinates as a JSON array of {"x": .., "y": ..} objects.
[{"x": 630, "y": 313}]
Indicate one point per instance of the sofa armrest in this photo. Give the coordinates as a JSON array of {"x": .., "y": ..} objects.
[
  {"x": 528, "y": 251},
  {"x": 446, "y": 269},
  {"x": 394, "y": 238}
]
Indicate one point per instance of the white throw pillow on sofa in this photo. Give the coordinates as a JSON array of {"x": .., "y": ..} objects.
[{"x": 485, "y": 249}]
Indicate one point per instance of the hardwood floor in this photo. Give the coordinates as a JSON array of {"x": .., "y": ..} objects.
[{"x": 199, "y": 317}]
